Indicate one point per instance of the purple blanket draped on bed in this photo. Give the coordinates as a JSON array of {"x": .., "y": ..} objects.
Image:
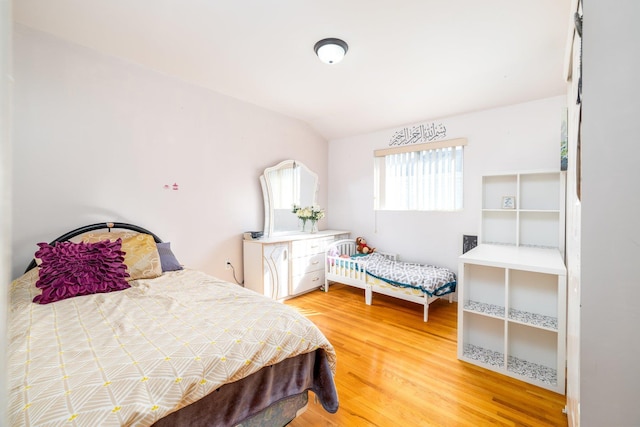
[{"x": 227, "y": 407}]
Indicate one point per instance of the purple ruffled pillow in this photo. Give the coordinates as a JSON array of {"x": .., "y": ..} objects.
[{"x": 72, "y": 269}]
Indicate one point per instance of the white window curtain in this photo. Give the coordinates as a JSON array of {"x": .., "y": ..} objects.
[{"x": 422, "y": 177}]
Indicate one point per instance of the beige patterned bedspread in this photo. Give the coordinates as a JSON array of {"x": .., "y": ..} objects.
[{"x": 131, "y": 357}]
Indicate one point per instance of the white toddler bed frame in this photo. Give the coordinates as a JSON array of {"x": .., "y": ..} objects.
[{"x": 349, "y": 272}]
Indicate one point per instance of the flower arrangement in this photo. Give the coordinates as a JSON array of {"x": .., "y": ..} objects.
[{"x": 309, "y": 213}]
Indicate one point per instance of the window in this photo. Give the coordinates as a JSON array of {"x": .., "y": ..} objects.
[
  {"x": 425, "y": 177},
  {"x": 286, "y": 194}
]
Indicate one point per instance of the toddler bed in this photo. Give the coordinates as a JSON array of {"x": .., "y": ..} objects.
[
  {"x": 166, "y": 346},
  {"x": 382, "y": 273}
]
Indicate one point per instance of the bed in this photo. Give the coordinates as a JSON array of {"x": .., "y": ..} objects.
[
  {"x": 382, "y": 273},
  {"x": 170, "y": 346}
]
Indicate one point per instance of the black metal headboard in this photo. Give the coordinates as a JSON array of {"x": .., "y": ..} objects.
[{"x": 98, "y": 226}]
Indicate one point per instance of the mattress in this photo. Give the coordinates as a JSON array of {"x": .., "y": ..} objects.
[{"x": 134, "y": 356}]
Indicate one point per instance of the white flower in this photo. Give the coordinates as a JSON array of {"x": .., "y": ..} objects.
[
  {"x": 317, "y": 213},
  {"x": 304, "y": 213},
  {"x": 314, "y": 213}
]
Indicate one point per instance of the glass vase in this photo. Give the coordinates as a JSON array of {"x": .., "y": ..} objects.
[
  {"x": 314, "y": 226},
  {"x": 304, "y": 224}
]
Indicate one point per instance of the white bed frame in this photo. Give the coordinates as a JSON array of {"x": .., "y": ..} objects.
[{"x": 346, "y": 271}]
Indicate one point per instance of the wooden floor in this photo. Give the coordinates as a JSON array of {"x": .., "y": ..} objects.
[{"x": 395, "y": 370}]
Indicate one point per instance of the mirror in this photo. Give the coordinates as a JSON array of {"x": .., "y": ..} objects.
[{"x": 284, "y": 185}]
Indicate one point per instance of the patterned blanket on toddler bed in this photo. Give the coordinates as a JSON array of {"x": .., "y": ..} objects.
[{"x": 430, "y": 279}]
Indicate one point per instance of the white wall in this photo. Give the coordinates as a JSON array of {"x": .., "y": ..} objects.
[
  {"x": 610, "y": 283},
  {"x": 573, "y": 235},
  {"x": 519, "y": 137},
  {"x": 96, "y": 138}
]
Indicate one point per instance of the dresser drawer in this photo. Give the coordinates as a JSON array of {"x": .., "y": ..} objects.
[
  {"x": 307, "y": 264},
  {"x": 302, "y": 248},
  {"x": 307, "y": 282}
]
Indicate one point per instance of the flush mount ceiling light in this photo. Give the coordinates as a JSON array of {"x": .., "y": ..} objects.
[{"x": 331, "y": 51}]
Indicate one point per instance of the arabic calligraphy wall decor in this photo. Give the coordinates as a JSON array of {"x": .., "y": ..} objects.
[{"x": 419, "y": 133}]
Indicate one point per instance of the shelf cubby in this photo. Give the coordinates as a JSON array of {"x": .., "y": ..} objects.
[
  {"x": 533, "y": 298},
  {"x": 496, "y": 187},
  {"x": 533, "y": 319},
  {"x": 484, "y": 339},
  {"x": 485, "y": 309},
  {"x": 484, "y": 355},
  {"x": 532, "y": 371},
  {"x": 533, "y": 353},
  {"x": 539, "y": 228},
  {"x": 500, "y": 227},
  {"x": 485, "y": 286},
  {"x": 540, "y": 191}
]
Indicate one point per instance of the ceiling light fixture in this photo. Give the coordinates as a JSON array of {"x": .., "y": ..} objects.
[{"x": 331, "y": 51}]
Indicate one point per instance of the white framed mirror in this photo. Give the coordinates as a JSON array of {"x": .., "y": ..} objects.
[{"x": 286, "y": 184}]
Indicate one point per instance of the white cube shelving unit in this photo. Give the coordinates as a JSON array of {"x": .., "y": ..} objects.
[{"x": 512, "y": 286}]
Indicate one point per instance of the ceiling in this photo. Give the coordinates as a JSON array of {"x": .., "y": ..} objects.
[{"x": 408, "y": 60}]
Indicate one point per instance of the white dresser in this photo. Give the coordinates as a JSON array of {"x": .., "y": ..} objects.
[{"x": 285, "y": 266}]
